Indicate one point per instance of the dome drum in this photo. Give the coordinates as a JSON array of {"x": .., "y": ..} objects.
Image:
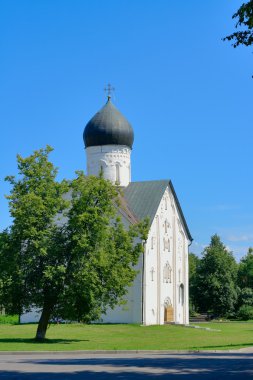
[{"x": 108, "y": 139}]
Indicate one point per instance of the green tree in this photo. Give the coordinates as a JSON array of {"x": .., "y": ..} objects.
[
  {"x": 193, "y": 294},
  {"x": 216, "y": 279},
  {"x": 10, "y": 290},
  {"x": 245, "y": 297},
  {"x": 71, "y": 255},
  {"x": 101, "y": 252},
  {"x": 245, "y": 312},
  {"x": 244, "y": 17},
  {"x": 35, "y": 200},
  {"x": 245, "y": 272}
]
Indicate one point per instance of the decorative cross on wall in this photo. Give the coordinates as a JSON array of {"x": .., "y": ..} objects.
[{"x": 109, "y": 89}]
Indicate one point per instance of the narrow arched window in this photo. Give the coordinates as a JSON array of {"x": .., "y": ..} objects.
[
  {"x": 166, "y": 244},
  {"x": 101, "y": 168},
  {"x": 152, "y": 274},
  {"x": 181, "y": 294},
  {"x": 166, "y": 226},
  {"x": 118, "y": 174}
]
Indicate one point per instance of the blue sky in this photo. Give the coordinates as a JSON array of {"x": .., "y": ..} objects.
[{"x": 187, "y": 94}]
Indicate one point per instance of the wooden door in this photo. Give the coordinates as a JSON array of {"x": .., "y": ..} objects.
[{"x": 168, "y": 314}]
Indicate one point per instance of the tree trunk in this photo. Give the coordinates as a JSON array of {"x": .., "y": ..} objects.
[{"x": 43, "y": 322}]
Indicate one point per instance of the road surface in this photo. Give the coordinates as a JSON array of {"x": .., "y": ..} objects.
[{"x": 121, "y": 366}]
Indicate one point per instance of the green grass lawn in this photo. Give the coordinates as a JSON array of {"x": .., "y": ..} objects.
[{"x": 66, "y": 337}]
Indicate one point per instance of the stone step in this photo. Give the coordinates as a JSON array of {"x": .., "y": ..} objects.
[{"x": 199, "y": 318}]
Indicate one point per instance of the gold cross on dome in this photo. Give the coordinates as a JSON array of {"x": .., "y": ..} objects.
[{"x": 109, "y": 89}]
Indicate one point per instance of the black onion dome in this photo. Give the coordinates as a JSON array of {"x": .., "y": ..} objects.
[{"x": 108, "y": 127}]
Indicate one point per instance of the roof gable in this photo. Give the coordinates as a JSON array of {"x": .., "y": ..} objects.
[{"x": 143, "y": 199}]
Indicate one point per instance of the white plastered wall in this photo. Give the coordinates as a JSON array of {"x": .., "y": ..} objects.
[
  {"x": 166, "y": 265},
  {"x": 114, "y": 160},
  {"x": 131, "y": 311}
]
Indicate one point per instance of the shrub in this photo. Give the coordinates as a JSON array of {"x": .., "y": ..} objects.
[
  {"x": 192, "y": 310},
  {"x": 245, "y": 312},
  {"x": 9, "y": 319},
  {"x": 246, "y": 297}
]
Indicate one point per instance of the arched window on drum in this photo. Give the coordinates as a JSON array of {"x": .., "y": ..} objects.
[{"x": 117, "y": 173}]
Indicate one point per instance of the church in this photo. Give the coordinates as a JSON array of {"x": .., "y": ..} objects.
[{"x": 160, "y": 291}]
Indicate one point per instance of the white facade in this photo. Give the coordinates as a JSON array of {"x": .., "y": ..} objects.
[
  {"x": 113, "y": 160},
  {"x": 166, "y": 266},
  {"x": 165, "y": 279}
]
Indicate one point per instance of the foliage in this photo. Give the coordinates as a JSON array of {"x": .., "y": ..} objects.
[
  {"x": 216, "y": 279},
  {"x": 102, "y": 254},
  {"x": 9, "y": 319},
  {"x": 245, "y": 271},
  {"x": 245, "y": 312},
  {"x": 34, "y": 201},
  {"x": 10, "y": 290},
  {"x": 69, "y": 252},
  {"x": 194, "y": 262},
  {"x": 245, "y": 20},
  {"x": 245, "y": 280},
  {"x": 246, "y": 297}
]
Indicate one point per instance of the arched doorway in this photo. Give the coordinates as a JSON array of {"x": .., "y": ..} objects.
[{"x": 168, "y": 311}]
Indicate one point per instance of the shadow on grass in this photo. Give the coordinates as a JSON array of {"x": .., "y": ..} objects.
[
  {"x": 223, "y": 346},
  {"x": 47, "y": 341}
]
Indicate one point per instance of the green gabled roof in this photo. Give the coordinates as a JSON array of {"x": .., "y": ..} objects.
[{"x": 143, "y": 199}]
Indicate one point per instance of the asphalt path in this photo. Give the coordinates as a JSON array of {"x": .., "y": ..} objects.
[{"x": 120, "y": 366}]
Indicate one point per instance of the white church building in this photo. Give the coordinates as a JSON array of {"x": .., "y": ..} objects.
[{"x": 160, "y": 291}]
